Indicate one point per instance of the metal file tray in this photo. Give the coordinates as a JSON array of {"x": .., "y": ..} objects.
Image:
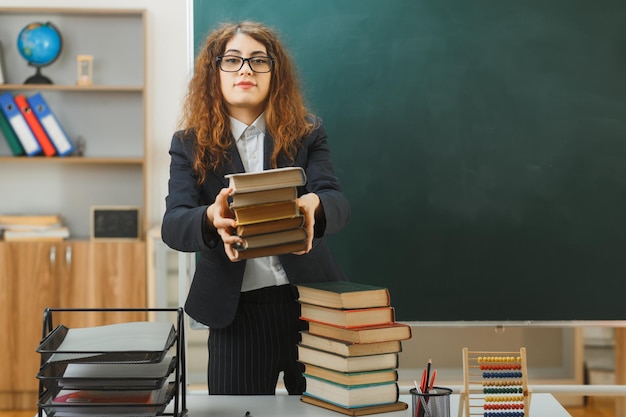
[
  {"x": 130, "y": 369},
  {"x": 52, "y": 349},
  {"x": 156, "y": 405},
  {"x": 144, "y": 376}
]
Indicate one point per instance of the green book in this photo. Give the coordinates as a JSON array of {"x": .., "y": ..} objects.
[
  {"x": 10, "y": 136},
  {"x": 351, "y": 396},
  {"x": 343, "y": 294}
]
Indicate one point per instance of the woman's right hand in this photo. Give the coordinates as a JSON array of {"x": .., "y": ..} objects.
[{"x": 222, "y": 219}]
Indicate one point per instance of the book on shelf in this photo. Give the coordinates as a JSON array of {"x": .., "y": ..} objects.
[
  {"x": 47, "y": 147},
  {"x": 253, "y": 229},
  {"x": 343, "y": 294},
  {"x": 349, "y": 318},
  {"x": 35, "y": 233},
  {"x": 281, "y": 249},
  {"x": 30, "y": 219},
  {"x": 356, "y": 411},
  {"x": 51, "y": 125},
  {"x": 9, "y": 134},
  {"x": 368, "y": 334},
  {"x": 264, "y": 196},
  {"x": 352, "y": 378},
  {"x": 350, "y": 396},
  {"x": 271, "y": 239},
  {"x": 266, "y": 212},
  {"x": 265, "y": 180},
  {"x": 340, "y": 363},
  {"x": 347, "y": 348},
  {"x": 20, "y": 126}
]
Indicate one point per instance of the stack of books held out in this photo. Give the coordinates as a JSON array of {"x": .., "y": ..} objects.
[
  {"x": 267, "y": 213},
  {"x": 350, "y": 351},
  {"x": 23, "y": 227}
]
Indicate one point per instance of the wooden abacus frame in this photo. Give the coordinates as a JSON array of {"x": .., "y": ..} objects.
[{"x": 494, "y": 382}]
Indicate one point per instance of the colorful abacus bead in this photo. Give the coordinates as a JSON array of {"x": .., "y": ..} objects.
[
  {"x": 507, "y": 390},
  {"x": 508, "y": 406}
]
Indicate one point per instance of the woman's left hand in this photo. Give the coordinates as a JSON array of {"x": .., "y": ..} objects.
[{"x": 308, "y": 204}]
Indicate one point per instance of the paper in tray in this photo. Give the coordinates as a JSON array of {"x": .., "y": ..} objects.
[
  {"x": 138, "y": 342},
  {"x": 142, "y": 376},
  {"x": 106, "y": 402}
]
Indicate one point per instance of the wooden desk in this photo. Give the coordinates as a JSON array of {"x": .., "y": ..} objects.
[{"x": 203, "y": 405}]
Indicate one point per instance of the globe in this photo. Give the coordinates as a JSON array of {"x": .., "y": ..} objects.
[{"x": 40, "y": 45}]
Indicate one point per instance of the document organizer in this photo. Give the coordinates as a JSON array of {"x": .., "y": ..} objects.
[
  {"x": 495, "y": 382},
  {"x": 125, "y": 380}
]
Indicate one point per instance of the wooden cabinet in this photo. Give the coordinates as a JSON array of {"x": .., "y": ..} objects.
[
  {"x": 103, "y": 275},
  {"x": 27, "y": 282},
  {"x": 82, "y": 274}
]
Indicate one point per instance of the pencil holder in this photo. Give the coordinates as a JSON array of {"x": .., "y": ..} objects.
[{"x": 434, "y": 403}]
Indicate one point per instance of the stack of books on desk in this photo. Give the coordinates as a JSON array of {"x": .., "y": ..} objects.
[
  {"x": 267, "y": 213},
  {"x": 350, "y": 352},
  {"x": 21, "y": 227}
]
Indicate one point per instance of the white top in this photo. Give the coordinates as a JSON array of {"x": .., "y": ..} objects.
[{"x": 266, "y": 271}]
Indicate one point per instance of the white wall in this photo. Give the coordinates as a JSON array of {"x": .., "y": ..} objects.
[{"x": 166, "y": 84}]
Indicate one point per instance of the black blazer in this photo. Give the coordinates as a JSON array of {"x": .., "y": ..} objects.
[{"x": 214, "y": 293}]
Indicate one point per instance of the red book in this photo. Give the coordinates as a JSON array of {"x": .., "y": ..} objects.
[
  {"x": 41, "y": 135},
  {"x": 359, "y": 317},
  {"x": 368, "y": 334}
]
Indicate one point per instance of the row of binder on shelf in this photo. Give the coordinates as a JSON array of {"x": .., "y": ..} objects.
[{"x": 31, "y": 128}]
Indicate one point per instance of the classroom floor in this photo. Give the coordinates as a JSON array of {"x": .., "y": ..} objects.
[{"x": 596, "y": 407}]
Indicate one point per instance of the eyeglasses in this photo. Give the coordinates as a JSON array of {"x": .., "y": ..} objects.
[{"x": 233, "y": 63}]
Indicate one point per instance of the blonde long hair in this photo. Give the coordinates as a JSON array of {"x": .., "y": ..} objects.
[{"x": 204, "y": 108}]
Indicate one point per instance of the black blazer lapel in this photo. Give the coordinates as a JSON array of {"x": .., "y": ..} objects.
[
  {"x": 267, "y": 153},
  {"x": 235, "y": 165}
]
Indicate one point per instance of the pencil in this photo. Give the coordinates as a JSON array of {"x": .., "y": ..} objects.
[
  {"x": 424, "y": 382},
  {"x": 432, "y": 380}
]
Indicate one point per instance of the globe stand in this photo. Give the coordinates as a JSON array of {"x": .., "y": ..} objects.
[{"x": 38, "y": 78}]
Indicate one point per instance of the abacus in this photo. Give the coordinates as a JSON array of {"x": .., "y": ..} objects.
[{"x": 495, "y": 384}]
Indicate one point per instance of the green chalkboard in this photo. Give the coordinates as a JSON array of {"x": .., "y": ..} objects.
[{"x": 481, "y": 143}]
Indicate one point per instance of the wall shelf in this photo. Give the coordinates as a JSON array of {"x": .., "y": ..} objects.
[
  {"x": 108, "y": 117},
  {"x": 71, "y": 160},
  {"x": 78, "y": 88}
]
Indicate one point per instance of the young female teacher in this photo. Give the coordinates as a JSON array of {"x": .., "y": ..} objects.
[{"x": 244, "y": 113}]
